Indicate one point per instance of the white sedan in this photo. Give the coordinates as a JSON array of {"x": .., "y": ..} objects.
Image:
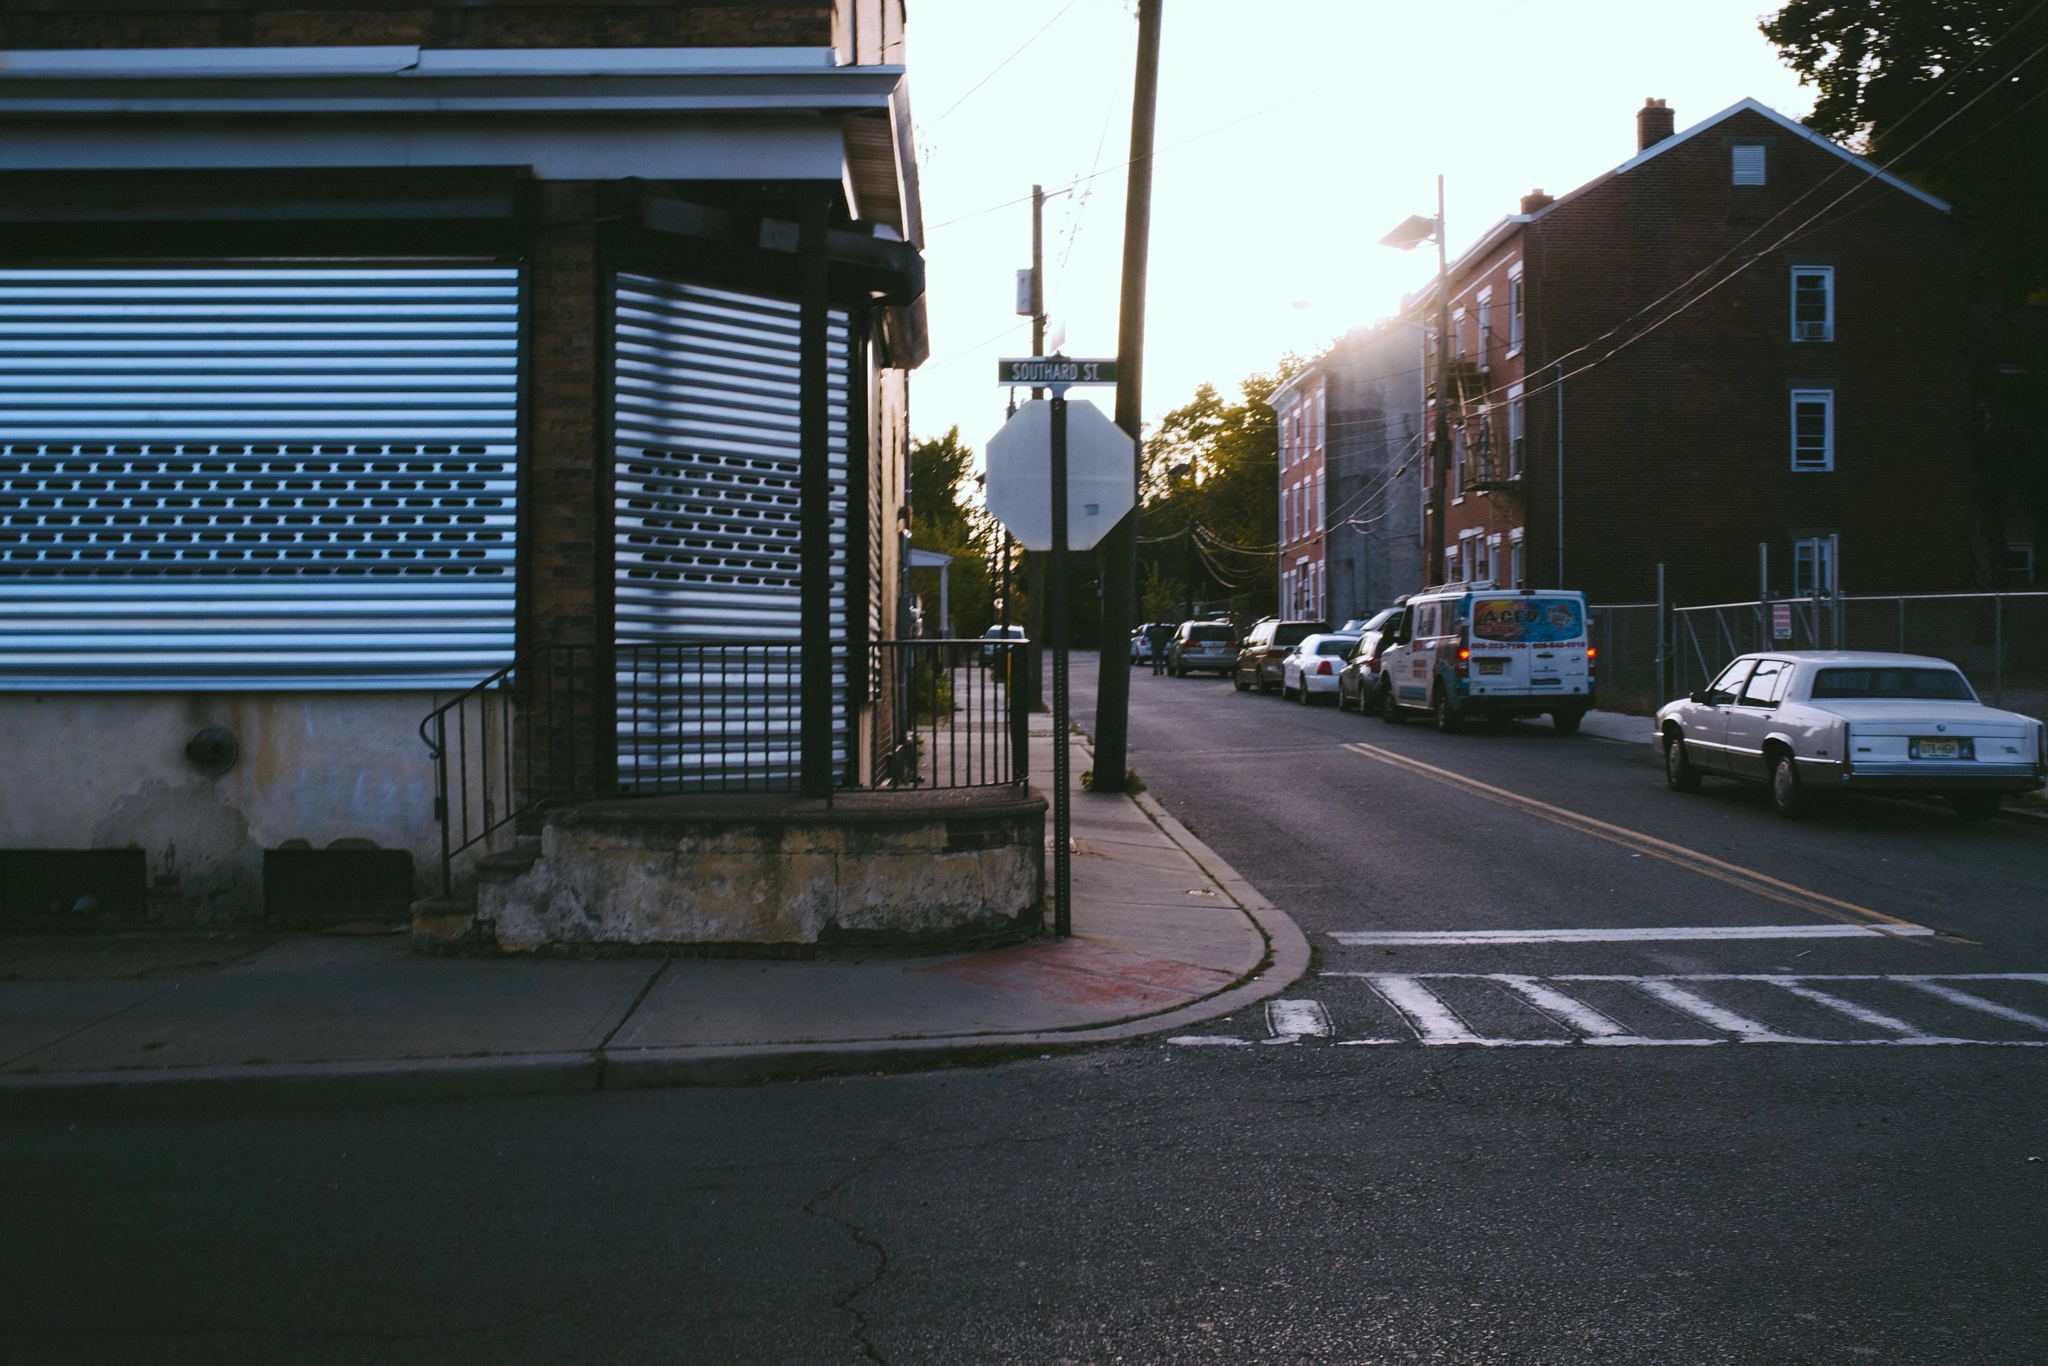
[
  {"x": 1310, "y": 669},
  {"x": 1810, "y": 723}
]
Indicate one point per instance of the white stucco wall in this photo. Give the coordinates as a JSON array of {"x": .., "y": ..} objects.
[{"x": 108, "y": 771}]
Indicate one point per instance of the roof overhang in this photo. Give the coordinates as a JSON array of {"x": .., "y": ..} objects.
[{"x": 567, "y": 113}]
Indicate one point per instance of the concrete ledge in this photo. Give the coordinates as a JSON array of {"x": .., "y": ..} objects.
[{"x": 365, "y": 1082}]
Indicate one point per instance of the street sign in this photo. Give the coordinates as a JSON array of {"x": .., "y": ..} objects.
[
  {"x": 1781, "y": 621},
  {"x": 1101, "y": 475},
  {"x": 1041, "y": 371}
]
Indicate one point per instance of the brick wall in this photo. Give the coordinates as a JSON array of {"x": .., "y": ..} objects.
[
  {"x": 1677, "y": 449},
  {"x": 27, "y": 24},
  {"x": 564, "y": 535}
]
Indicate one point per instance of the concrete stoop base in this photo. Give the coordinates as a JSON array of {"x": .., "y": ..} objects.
[{"x": 768, "y": 875}]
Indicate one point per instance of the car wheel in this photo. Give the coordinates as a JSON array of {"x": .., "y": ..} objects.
[
  {"x": 1974, "y": 806},
  {"x": 1446, "y": 715},
  {"x": 1268, "y": 689},
  {"x": 1788, "y": 797},
  {"x": 1390, "y": 710},
  {"x": 1567, "y": 722},
  {"x": 1343, "y": 700},
  {"x": 1679, "y": 774},
  {"x": 1237, "y": 681}
]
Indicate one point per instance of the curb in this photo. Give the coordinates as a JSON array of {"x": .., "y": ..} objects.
[
  {"x": 415, "y": 1079},
  {"x": 263, "y": 1086}
]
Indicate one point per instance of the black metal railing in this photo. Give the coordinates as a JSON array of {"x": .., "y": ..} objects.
[
  {"x": 954, "y": 719},
  {"x": 567, "y": 723}
]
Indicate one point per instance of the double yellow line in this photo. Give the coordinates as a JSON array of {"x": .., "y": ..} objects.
[{"x": 1692, "y": 860}]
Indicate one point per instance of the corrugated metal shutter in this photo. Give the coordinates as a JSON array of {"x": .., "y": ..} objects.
[
  {"x": 707, "y": 520},
  {"x": 254, "y": 477}
]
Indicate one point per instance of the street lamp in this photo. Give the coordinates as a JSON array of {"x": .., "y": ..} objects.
[{"x": 1412, "y": 233}]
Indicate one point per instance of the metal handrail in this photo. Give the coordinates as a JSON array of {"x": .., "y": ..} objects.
[{"x": 567, "y": 723}]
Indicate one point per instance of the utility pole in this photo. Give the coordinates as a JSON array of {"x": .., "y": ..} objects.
[
  {"x": 1440, "y": 463},
  {"x": 1120, "y": 547},
  {"x": 1034, "y": 666}
]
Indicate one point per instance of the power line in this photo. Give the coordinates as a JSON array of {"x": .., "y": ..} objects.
[{"x": 1005, "y": 62}]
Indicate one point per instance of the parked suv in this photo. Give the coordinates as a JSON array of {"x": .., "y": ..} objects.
[
  {"x": 1265, "y": 645},
  {"x": 1202, "y": 645}
]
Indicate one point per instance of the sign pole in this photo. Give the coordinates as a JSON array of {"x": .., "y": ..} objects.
[
  {"x": 1056, "y": 374},
  {"x": 1056, "y": 627}
]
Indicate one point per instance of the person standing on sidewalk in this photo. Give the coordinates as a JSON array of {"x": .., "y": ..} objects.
[{"x": 1159, "y": 635}]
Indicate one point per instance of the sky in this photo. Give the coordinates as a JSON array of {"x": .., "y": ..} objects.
[{"x": 1292, "y": 135}]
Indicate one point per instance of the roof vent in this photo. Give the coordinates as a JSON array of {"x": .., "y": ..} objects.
[
  {"x": 1654, "y": 123},
  {"x": 1535, "y": 200}
]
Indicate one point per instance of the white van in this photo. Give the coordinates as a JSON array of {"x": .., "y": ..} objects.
[{"x": 1489, "y": 653}]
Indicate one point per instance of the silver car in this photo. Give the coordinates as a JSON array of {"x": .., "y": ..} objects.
[{"x": 1812, "y": 723}]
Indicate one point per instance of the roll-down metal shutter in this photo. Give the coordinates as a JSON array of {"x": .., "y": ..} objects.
[
  {"x": 257, "y": 477},
  {"x": 707, "y": 526}
]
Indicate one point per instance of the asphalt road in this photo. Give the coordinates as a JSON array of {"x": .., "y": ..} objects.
[{"x": 1358, "y": 1195}]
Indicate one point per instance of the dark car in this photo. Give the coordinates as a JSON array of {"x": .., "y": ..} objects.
[
  {"x": 1202, "y": 645},
  {"x": 1359, "y": 684},
  {"x": 1265, "y": 645}
]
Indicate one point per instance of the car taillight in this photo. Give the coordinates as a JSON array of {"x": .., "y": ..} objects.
[
  {"x": 1324, "y": 668},
  {"x": 1591, "y": 655},
  {"x": 1464, "y": 668},
  {"x": 1230, "y": 645}
]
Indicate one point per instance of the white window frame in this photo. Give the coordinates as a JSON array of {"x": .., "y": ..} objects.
[
  {"x": 1826, "y": 332},
  {"x": 1321, "y": 506},
  {"x": 1493, "y": 545},
  {"x": 1458, "y": 462},
  {"x": 2024, "y": 552},
  {"x": 1458, "y": 333},
  {"x": 1748, "y": 164},
  {"x": 1485, "y": 328},
  {"x": 1826, "y": 459},
  {"x": 1515, "y": 558},
  {"x": 1518, "y": 432},
  {"x": 1813, "y": 569},
  {"x": 1518, "y": 302}
]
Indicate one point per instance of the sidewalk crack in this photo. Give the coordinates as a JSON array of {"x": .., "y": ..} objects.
[{"x": 631, "y": 1011}]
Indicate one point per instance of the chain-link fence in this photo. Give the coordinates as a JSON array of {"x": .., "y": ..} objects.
[{"x": 1650, "y": 654}]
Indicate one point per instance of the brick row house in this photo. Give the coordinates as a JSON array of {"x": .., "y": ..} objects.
[
  {"x": 350, "y": 353},
  {"x": 1741, "y": 354},
  {"x": 1352, "y": 436},
  {"x": 1301, "y": 412}
]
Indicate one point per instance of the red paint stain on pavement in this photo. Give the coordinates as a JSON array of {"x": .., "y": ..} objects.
[{"x": 1077, "y": 972}]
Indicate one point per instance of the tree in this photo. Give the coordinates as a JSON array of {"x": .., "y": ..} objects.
[
  {"x": 1950, "y": 95},
  {"x": 943, "y": 519},
  {"x": 1953, "y": 95},
  {"x": 1211, "y": 497}
]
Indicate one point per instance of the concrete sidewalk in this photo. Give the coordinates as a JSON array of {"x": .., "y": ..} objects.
[{"x": 1165, "y": 935}]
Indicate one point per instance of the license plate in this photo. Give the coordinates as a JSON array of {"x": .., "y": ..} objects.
[
  {"x": 1938, "y": 749},
  {"x": 1493, "y": 666}
]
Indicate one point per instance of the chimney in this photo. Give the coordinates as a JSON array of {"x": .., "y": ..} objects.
[
  {"x": 1535, "y": 200},
  {"x": 1653, "y": 124}
]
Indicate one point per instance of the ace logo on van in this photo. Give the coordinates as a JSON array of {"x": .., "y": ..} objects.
[{"x": 1527, "y": 621}]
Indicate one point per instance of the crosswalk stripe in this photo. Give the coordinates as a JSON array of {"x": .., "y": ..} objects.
[
  {"x": 1566, "y": 1010},
  {"x": 1701, "y": 1009},
  {"x": 1862, "y": 1014},
  {"x": 1432, "y": 1019},
  {"x": 1298, "y": 1019},
  {"x": 1970, "y": 1002}
]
